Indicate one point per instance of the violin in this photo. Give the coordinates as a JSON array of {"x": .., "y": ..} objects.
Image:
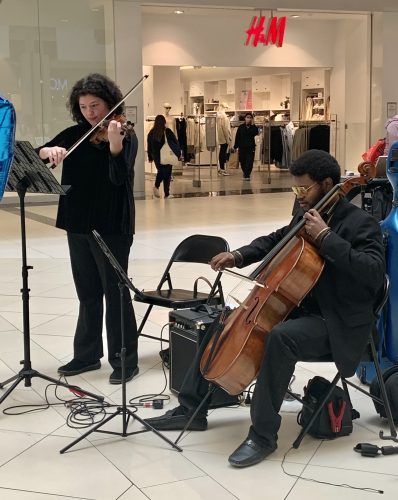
[
  {"x": 106, "y": 118},
  {"x": 101, "y": 133}
]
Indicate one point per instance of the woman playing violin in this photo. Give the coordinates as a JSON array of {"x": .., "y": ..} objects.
[
  {"x": 101, "y": 175},
  {"x": 335, "y": 318}
]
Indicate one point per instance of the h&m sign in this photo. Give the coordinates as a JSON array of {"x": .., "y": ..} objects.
[{"x": 272, "y": 34}]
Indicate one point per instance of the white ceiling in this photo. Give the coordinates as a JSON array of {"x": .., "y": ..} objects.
[
  {"x": 236, "y": 12},
  {"x": 277, "y": 5}
]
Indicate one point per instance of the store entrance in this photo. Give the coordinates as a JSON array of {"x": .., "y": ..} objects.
[{"x": 239, "y": 129}]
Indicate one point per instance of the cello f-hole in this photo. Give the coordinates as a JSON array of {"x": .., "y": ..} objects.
[{"x": 248, "y": 317}]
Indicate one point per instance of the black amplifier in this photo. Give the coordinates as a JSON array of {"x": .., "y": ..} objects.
[{"x": 186, "y": 334}]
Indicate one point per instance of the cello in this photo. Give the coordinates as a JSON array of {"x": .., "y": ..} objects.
[{"x": 233, "y": 356}]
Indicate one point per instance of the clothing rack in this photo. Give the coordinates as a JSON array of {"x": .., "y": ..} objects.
[{"x": 306, "y": 124}]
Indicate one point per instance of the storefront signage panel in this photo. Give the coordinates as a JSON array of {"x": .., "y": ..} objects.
[{"x": 272, "y": 34}]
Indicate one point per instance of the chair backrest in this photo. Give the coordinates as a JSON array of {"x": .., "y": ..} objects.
[{"x": 199, "y": 248}]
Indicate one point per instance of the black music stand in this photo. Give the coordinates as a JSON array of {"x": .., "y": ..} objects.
[
  {"x": 124, "y": 284},
  {"x": 29, "y": 174}
]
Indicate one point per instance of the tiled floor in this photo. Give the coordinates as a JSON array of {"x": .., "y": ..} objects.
[{"x": 143, "y": 466}]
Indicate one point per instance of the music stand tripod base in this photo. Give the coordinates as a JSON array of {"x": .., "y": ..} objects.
[
  {"x": 124, "y": 285},
  {"x": 29, "y": 174}
]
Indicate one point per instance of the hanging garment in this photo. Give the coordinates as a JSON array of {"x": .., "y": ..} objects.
[
  {"x": 276, "y": 146},
  {"x": 181, "y": 126},
  {"x": 265, "y": 150},
  {"x": 190, "y": 132},
  {"x": 320, "y": 138},
  {"x": 259, "y": 144},
  {"x": 327, "y": 109},
  {"x": 300, "y": 142},
  {"x": 308, "y": 108}
]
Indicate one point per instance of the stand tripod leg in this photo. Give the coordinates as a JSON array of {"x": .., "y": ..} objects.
[
  {"x": 8, "y": 381},
  {"x": 90, "y": 431},
  {"x": 212, "y": 388},
  {"x": 69, "y": 386},
  {"x": 17, "y": 379},
  {"x": 150, "y": 428}
]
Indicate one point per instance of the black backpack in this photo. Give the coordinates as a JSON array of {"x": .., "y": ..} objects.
[
  {"x": 390, "y": 377},
  {"x": 335, "y": 418}
]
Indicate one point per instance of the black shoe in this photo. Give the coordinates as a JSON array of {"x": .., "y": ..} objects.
[
  {"x": 175, "y": 420},
  {"x": 250, "y": 453},
  {"x": 75, "y": 367},
  {"x": 116, "y": 375}
]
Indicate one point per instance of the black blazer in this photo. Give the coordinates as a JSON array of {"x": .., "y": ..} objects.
[{"x": 351, "y": 280}]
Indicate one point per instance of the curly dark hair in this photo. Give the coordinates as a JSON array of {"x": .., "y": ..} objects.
[
  {"x": 318, "y": 165},
  {"x": 94, "y": 84}
]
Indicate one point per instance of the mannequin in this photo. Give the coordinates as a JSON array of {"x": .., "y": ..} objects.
[
  {"x": 224, "y": 137},
  {"x": 170, "y": 121}
]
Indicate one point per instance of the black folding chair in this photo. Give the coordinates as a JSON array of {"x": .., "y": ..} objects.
[
  {"x": 198, "y": 249},
  {"x": 345, "y": 383}
]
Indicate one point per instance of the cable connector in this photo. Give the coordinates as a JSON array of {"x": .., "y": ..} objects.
[
  {"x": 154, "y": 403},
  {"x": 372, "y": 450}
]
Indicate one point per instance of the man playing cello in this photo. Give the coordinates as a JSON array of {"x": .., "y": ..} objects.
[{"x": 334, "y": 318}]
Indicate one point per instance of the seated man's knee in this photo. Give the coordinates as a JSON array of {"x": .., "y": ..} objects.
[{"x": 280, "y": 340}]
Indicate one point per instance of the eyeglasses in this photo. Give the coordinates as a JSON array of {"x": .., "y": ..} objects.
[{"x": 302, "y": 190}]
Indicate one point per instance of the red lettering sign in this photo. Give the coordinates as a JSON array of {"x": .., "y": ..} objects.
[{"x": 274, "y": 34}]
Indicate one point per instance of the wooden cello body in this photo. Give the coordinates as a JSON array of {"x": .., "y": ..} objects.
[
  {"x": 287, "y": 280},
  {"x": 233, "y": 358}
]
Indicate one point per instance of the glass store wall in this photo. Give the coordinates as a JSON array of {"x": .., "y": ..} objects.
[{"x": 45, "y": 47}]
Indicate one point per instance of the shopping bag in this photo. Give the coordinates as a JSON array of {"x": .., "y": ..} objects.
[{"x": 167, "y": 155}]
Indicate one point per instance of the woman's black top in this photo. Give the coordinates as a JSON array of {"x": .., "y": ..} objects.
[
  {"x": 101, "y": 195},
  {"x": 154, "y": 146}
]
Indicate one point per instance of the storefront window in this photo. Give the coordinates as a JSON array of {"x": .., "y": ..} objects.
[{"x": 45, "y": 46}]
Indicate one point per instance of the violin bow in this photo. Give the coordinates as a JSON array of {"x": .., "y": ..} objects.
[{"x": 94, "y": 127}]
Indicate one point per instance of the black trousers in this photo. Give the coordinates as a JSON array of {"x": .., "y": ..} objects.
[
  {"x": 246, "y": 159},
  {"x": 95, "y": 278},
  {"x": 164, "y": 175},
  {"x": 223, "y": 156},
  {"x": 300, "y": 339}
]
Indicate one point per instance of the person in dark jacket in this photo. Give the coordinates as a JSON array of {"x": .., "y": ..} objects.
[
  {"x": 335, "y": 318},
  {"x": 244, "y": 143},
  {"x": 156, "y": 140},
  {"x": 101, "y": 177}
]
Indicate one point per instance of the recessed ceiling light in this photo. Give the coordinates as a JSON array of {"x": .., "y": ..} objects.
[
  {"x": 295, "y": 16},
  {"x": 178, "y": 12},
  {"x": 64, "y": 20}
]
